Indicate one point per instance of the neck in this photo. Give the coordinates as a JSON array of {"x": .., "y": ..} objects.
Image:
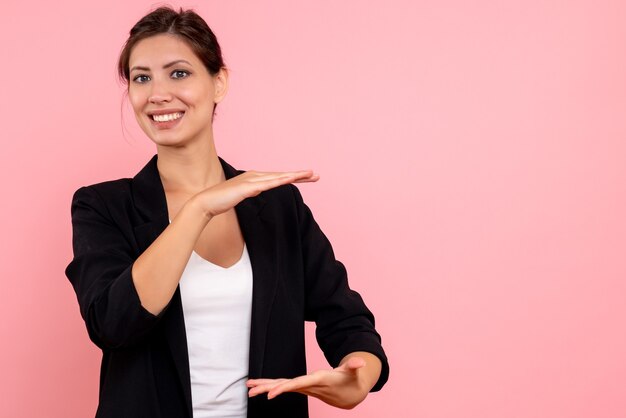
[{"x": 189, "y": 169}]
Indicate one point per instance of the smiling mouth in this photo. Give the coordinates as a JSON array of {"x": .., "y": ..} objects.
[{"x": 167, "y": 117}]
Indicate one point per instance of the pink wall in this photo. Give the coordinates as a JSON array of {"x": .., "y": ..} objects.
[{"x": 473, "y": 182}]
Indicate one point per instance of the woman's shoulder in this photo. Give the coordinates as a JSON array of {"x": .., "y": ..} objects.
[
  {"x": 106, "y": 189},
  {"x": 286, "y": 195},
  {"x": 105, "y": 197}
]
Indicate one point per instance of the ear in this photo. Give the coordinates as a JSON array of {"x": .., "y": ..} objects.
[{"x": 221, "y": 84}]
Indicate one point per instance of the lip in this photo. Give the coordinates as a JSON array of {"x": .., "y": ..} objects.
[
  {"x": 163, "y": 111},
  {"x": 167, "y": 124}
]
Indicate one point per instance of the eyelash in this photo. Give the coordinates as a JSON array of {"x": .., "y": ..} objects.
[
  {"x": 182, "y": 71},
  {"x": 187, "y": 74}
]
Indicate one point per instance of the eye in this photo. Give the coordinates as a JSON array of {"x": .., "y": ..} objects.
[
  {"x": 180, "y": 74},
  {"x": 141, "y": 78}
]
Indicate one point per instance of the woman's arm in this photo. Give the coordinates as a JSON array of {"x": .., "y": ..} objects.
[
  {"x": 158, "y": 270},
  {"x": 345, "y": 328},
  {"x": 344, "y": 324},
  {"x": 121, "y": 294}
]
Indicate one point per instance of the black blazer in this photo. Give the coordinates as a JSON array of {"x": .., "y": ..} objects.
[{"x": 296, "y": 278}]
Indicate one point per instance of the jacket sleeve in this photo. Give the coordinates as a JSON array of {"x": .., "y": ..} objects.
[
  {"x": 100, "y": 274},
  {"x": 344, "y": 324}
]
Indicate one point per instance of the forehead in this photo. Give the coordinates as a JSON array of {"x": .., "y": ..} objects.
[{"x": 159, "y": 49}]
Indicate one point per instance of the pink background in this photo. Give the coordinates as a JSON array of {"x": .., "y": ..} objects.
[{"x": 472, "y": 162}]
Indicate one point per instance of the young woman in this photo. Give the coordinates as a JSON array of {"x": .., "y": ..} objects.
[{"x": 195, "y": 278}]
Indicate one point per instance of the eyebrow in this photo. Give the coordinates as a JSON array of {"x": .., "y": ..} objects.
[{"x": 164, "y": 67}]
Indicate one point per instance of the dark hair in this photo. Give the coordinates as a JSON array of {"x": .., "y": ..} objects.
[{"x": 187, "y": 25}]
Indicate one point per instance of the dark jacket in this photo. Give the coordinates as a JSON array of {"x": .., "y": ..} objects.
[{"x": 296, "y": 278}]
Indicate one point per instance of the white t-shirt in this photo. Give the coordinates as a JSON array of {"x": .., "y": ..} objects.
[{"x": 217, "y": 305}]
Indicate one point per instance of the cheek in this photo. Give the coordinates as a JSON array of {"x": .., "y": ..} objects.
[
  {"x": 137, "y": 100},
  {"x": 196, "y": 97}
]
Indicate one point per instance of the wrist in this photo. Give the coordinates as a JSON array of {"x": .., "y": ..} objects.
[
  {"x": 194, "y": 205},
  {"x": 368, "y": 375}
]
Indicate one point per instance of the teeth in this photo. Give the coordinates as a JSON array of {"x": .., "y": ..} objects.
[{"x": 168, "y": 117}]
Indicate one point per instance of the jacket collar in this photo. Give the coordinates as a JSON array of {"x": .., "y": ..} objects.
[{"x": 149, "y": 195}]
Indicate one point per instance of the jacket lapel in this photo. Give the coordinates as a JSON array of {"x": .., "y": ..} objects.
[
  {"x": 259, "y": 236},
  {"x": 256, "y": 226},
  {"x": 151, "y": 204}
]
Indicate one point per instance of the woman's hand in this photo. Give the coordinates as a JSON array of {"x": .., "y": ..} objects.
[
  {"x": 226, "y": 195},
  {"x": 344, "y": 387}
]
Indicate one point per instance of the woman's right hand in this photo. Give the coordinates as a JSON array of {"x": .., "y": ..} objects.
[{"x": 224, "y": 196}]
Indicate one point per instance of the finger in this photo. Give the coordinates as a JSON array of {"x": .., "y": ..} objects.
[
  {"x": 354, "y": 363},
  {"x": 299, "y": 384},
  {"x": 258, "y": 386},
  {"x": 256, "y": 382},
  {"x": 313, "y": 178},
  {"x": 257, "y": 390},
  {"x": 272, "y": 183},
  {"x": 263, "y": 176}
]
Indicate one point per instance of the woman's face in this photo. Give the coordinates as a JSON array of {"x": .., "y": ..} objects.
[{"x": 171, "y": 91}]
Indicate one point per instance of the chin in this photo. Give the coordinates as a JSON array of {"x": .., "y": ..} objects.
[{"x": 169, "y": 140}]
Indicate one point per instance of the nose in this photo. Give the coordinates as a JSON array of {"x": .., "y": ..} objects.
[{"x": 159, "y": 94}]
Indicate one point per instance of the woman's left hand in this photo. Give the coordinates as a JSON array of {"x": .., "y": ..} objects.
[{"x": 344, "y": 386}]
